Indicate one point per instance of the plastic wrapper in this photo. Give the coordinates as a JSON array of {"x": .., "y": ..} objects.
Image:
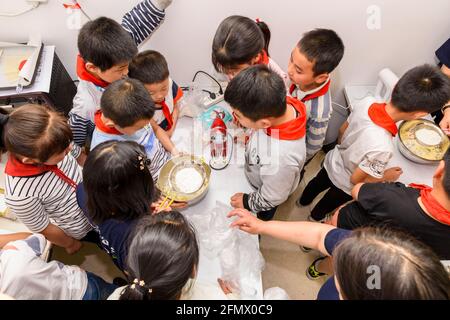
[{"x": 276, "y": 293}]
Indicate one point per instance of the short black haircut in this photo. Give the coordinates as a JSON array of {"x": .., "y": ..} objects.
[
  {"x": 323, "y": 47},
  {"x": 127, "y": 101},
  {"x": 257, "y": 93},
  {"x": 149, "y": 67},
  {"x": 423, "y": 88},
  {"x": 447, "y": 173},
  {"x": 105, "y": 43}
]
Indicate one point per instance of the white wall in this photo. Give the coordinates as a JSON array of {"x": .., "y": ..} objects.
[{"x": 411, "y": 30}]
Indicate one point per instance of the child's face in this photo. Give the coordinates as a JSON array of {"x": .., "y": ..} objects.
[
  {"x": 130, "y": 130},
  {"x": 300, "y": 71},
  {"x": 158, "y": 91},
  {"x": 248, "y": 123},
  {"x": 113, "y": 74},
  {"x": 233, "y": 72}
]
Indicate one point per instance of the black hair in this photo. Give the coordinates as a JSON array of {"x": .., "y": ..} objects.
[
  {"x": 423, "y": 88},
  {"x": 324, "y": 48},
  {"x": 406, "y": 268},
  {"x": 257, "y": 93},
  {"x": 149, "y": 67},
  {"x": 35, "y": 131},
  {"x": 126, "y": 101},
  {"x": 237, "y": 41},
  {"x": 117, "y": 181},
  {"x": 162, "y": 256},
  {"x": 446, "y": 177},
  {"x": 105, "y": 43}
]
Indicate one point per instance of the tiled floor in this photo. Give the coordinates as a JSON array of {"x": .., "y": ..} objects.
[{"x": 285, "y": 262}]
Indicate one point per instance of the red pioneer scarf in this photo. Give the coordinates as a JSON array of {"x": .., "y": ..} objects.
[
  {"x": 433, "y": 207},
  {"x": 83, "y": 74},
  {"x": 100, "y": 125},
  {"x": 313, "y": 95},
  {"x": 16, "y": 168},
  {"x": 379, "y": 116},
  {"x": 294, "y": 129}
]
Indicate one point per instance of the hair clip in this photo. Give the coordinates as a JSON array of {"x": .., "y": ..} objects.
[
  {"x": 143, "y": 162},
  {"x": 257, "y": 20}
]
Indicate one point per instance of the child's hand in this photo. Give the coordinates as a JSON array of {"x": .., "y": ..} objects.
[
  {"x": 74, "y": 247},
  {"x": 392, "y": 174},
  {"x": 226, "y": 288},
  {"x": 246, "y": 222},
  {"x": 445, "y": 122},
  {"x": 156, "y": 206},
  {"x": 237, "y": 201}
]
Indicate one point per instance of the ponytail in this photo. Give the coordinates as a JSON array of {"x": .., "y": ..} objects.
[
  {"x": 136, "y": 291},
  {"x": 266, "y": 32}
]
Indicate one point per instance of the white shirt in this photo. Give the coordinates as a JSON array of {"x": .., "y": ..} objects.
[
  {"x": 25, "y": 276},
  {"x": 364, "y": 145},
  {"x": 46, "y": 198}
]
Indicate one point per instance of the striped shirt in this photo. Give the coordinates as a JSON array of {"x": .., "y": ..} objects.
[
  {"x": 318, "y": 112},
  {"x": 45, "y": 198},
  {"x": 145, "y": 137},
  {"x": 140, "y": 22}
]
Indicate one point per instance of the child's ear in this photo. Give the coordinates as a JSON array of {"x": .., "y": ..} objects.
[
  {"x": 264, "y": 123},
  {"x": 256, "y": 59},
  {"x": 26, "y": 160},
  {"x": 321, "y": 78},
  {"x": 108, "y": 122},
  {"x": 91, "y": 68},
  {"x": 438, "y": 174}
]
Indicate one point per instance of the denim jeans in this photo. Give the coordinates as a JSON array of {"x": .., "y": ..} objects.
[{"x": 97, "y": 288}]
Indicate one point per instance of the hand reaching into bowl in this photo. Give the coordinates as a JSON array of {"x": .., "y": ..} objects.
[
  {"x": 158, "y": 206},
  {"x": 445, "y": 122}
]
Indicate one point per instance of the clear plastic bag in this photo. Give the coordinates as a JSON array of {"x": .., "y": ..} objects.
[
  {"x": 276, "y": 293},
  {"x": 192, "y": 103}
]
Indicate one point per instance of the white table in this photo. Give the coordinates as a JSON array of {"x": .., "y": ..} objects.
[
  {"x": 223, "y": 184},
  {"x": 412, "y": 172}
]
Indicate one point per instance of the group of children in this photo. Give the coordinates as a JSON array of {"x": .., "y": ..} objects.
[{"x": 101, "y": 187}]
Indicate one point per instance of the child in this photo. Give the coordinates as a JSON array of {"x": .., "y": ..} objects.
[
  {"x": 240, "y": 42},
  {"x": 126, "y": 111},
  {"x": 275, "y": 153},
  {"x": 106, "y": 48},
  {"x": 150, "y": 67},
  {"x": 357, "y": 255},
  {"x": 423, "y": 211},
  {"x": 316, "y": 55},
  {"x": 24, "y": 275},
  {"x": 117, "y": 190},
  {"x": 366, "y": 147},
  {"x": 41, "y": 175},
  {"x": 163, "y": 256}
]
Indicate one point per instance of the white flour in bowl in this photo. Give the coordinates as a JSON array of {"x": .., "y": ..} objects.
[
  {"x": 428, "y": 137},
  {"x": 188, "y": 180}
]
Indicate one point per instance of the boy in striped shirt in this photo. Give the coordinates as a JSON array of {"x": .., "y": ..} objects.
[
  {"x": 106, "y": 49},
  {"x": 316, "y": 55}
]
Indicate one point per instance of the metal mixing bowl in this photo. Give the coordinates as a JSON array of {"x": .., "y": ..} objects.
[
  {"x": 167, "y": 183},
  {"x": 413, "y": 149}
]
